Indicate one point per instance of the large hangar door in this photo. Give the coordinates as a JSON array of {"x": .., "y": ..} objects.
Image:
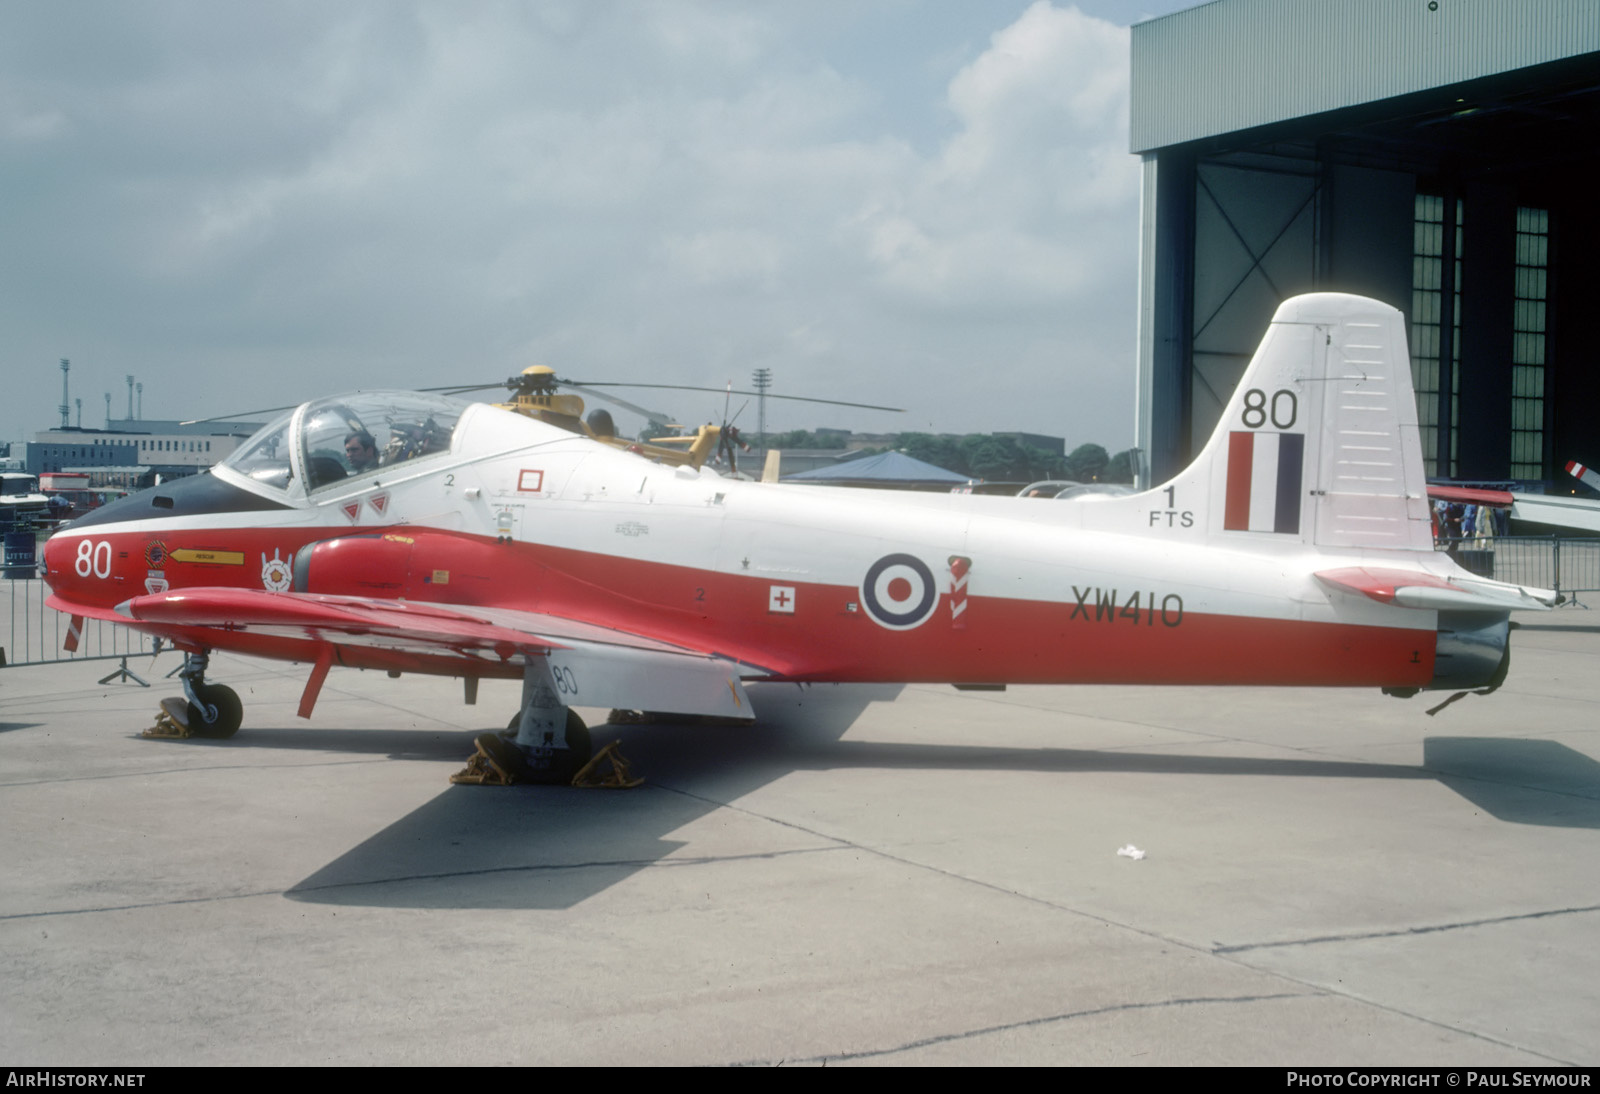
[{"x": 1255, "y": 245}]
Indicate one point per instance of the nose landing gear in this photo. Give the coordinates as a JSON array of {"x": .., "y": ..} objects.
[{"x": 204, "y": 710}]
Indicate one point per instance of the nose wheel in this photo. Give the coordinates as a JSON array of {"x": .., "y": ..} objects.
[
  {"x": 215, "y": 711},
  {"x": 204, "y": 710}
]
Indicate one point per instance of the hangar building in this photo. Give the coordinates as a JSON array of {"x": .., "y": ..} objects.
[{"x": 1440, "y": 155}]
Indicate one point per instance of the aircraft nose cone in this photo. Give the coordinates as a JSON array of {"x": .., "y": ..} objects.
[{"x": 55, "y": 559}]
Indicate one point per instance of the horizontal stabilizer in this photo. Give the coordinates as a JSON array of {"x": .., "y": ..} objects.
[
  {"x": 1467, "y": 495},
  {"x": 1418, "y": 589}
]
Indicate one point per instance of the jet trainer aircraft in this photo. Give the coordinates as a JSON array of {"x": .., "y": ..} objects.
[{"x": 1296, "y": 550}]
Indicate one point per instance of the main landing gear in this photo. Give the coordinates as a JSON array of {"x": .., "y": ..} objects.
[
  {"x": 204, "y": 710},
  {"x": 546, "y": 742}
]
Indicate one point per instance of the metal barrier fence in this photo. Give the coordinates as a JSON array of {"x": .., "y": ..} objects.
[
  {"x": 1569, "y": 566},
  {"x": 36, "y": 634}
]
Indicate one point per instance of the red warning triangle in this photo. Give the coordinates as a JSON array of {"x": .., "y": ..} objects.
[
  {"x": 379, "y": 503},
  {"x": 351, "y": 509}
]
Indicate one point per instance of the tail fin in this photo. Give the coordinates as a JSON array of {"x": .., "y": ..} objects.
[
  {"x": 1585, "y": 475},
  {"x": 1319, "y": 442}
]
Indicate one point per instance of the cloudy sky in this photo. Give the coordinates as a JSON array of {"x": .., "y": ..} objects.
[{"x": 925, "y": 203}]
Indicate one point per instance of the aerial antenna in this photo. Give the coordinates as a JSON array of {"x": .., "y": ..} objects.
[{"x": 66, "y": 366}]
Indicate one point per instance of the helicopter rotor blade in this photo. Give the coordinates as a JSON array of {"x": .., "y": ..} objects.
[
  {"x": 457, "y": 389},
  {"x": 241, "y": 414},
  {"x": 646, "y": 412},
  {"x": 770, "y": 395}
]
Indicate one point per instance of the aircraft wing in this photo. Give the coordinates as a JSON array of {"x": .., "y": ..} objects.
[
  {"x": 1416, "y": 589},
  {"x": 603, "y": 666}
]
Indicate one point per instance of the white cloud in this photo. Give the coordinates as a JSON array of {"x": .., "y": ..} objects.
[
  {"x": 676, "y": 192},
  {"x": 1012, "y": 208}
]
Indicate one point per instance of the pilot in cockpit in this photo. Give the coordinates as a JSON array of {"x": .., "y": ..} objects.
[{"x": 360, "y": 451}]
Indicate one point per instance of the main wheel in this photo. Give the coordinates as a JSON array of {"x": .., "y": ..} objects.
[
  {"x": 578, "y": 740},
  {"x": 219, "y": 713}
]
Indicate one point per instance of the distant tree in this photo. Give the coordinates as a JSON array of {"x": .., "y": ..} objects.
[
  {"x": 1122, "y": 466},
  {"x": 941, "y": 451},
  {"x": 1087, "y": 463},
  {"x": 803, "y": 438},
  {"x": 1036, "y": 463},
  {"x": 985, "y": 456}
]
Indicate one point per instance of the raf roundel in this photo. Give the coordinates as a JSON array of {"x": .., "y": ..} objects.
[{"x": 899, "y": 592}]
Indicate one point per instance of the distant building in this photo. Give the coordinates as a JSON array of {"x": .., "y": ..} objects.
[
  {"x": 168, "y": 448},
  {"x": 59, "y": 450}
]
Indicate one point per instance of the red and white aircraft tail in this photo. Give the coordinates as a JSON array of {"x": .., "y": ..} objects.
[{"x": 1319, "y": 442}]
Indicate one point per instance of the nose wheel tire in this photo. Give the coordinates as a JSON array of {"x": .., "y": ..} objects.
[{"x": 219, "y": 712}]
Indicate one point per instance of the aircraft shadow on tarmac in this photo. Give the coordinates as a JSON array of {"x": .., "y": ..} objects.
[
  {"x": 1581, "y": 628},
  {"x": 1519, "y": 780},
  {"x": 553, "y": 847}
]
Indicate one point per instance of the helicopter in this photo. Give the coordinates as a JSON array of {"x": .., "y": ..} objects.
[{"x": 535, "y": 394}]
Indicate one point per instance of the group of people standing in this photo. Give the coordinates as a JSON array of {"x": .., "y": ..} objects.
[{"x": 1455, "y": 522}]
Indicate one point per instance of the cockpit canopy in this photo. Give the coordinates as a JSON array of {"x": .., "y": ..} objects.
[{"x": 324, "y": 443}]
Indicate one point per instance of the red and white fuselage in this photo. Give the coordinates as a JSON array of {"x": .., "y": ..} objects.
[{"x": 1296, "y": 550}]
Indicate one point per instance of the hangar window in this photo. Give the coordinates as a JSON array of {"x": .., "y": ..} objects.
[
  {"x": 1436, "y": 327},
  {"x": 1528, "y": 344}
]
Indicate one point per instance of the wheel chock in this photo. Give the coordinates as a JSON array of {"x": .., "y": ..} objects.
[
  {"x": 172, "y": 721},
  {"x": 620, "y": 778},
  {"x": 497, "y": 762},
  {"x": 494, "y": 764}
]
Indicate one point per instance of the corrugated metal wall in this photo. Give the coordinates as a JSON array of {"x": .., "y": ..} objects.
[{"x": 1236, "y": 64}]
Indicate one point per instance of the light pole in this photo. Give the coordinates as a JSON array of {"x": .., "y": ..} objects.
[{"x": 762, "y": 378}]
